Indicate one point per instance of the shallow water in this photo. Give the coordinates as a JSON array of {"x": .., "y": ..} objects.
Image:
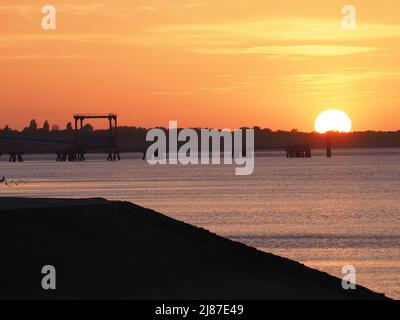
[{"x": 326, "y": 213}]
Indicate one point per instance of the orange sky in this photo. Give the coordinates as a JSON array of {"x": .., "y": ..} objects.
[{"x": 205, "y": 63}]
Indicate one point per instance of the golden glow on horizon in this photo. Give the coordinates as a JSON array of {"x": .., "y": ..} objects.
[{"x": 333, "y": 120}]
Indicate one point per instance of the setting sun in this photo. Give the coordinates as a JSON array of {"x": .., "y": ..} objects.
[{"x": 332, "y": 120}]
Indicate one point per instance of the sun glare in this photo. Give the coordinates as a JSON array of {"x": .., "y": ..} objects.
[{"x": 333, "y": 120}]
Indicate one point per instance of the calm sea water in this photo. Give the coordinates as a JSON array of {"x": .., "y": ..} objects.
[{"x": 325, "y": 213}]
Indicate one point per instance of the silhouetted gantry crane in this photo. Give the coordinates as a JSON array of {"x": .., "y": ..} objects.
[{"x": 82, "y": 143}]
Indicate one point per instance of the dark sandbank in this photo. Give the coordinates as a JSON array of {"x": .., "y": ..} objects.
[{"x": 116, "y": 250}]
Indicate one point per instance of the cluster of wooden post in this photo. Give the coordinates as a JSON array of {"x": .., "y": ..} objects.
[
  {"x": 298, "y": 151},
  {"x": 113, "y": 155},
  {"x": 72, "y": 156},
  {"x": 304, "y": 151},
  {"x": 16, "y": 157}
]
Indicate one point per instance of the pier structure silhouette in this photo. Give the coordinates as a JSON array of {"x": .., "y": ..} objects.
[
  {"x": 106, "y": 143},
  {"x": 72, "y": 150}
]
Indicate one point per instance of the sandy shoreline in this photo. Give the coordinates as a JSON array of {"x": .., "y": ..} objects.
[{"x": 116, "y": 250}]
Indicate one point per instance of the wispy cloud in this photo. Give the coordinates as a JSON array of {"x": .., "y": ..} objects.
[
  {"x": 44, "y": 57},
  {"x": 83, "y": 9},
  {"x": 17, "y": 9},
  {"x": 282, "y": 37},
  {"x": 343, "y": 76},
  {"x": 273, "y": 37},
  {"x": 289, "y": 29},
  {"x": 188, "y": 5},
  {"x": 147, "y": 8},
  {"x": 164, "y": 93},
  {"x": 95, "y": 8},
  {"x": 307, "y": 50}
]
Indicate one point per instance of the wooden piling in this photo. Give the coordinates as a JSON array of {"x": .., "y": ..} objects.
[{"x": 328, "y": 147}]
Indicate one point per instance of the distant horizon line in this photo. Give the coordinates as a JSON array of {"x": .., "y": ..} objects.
[
  {"x": 41, "y": 123},
  {"x": 199, "y": 128}
]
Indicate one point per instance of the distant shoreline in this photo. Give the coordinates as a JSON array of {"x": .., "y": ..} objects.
[
  {"x": 117, "y": 250},
  {"x": 318, "y": 151},
  {"x": 133, "y": 139}
]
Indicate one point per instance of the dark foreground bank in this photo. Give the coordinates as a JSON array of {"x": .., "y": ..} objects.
[{"x": 117, "y": 250}]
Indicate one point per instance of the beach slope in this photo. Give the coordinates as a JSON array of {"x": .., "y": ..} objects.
[{"x": 117, "y": 250}]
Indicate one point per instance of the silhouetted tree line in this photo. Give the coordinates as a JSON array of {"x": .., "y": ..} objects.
[{"x": 134, "y": 138}]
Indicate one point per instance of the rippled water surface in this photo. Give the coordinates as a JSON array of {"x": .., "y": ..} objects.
[{"x": 326, "y": 213}]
